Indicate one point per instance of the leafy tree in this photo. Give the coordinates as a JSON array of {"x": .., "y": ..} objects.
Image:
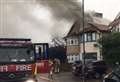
[{"x": 111, "y": 47}]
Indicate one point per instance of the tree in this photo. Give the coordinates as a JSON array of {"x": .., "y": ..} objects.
[{"x": 111, "y": 47}]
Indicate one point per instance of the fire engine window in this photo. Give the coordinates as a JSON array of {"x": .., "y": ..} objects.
[{"x": 16, "y": 54}]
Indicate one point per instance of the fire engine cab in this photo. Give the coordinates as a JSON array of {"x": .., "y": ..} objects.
[{"x": 17, "y": 60}]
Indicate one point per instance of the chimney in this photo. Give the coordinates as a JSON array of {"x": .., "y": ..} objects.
[{"x": 99, "y": 15}]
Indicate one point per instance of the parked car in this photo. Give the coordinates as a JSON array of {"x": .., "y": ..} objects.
[
  {"x": 96, "y": 69},
  {"x": 93, "y": 69},
  {"x": 112, "y": 75}
]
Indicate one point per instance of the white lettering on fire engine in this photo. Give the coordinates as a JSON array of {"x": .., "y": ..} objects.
[
  {"x": 23, "y": 67},
  {"x": 3, "y": 68}
]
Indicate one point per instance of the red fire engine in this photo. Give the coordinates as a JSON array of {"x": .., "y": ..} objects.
[
  {"x": 41, "y": 52},
  {"x": 17, "y": 60}
]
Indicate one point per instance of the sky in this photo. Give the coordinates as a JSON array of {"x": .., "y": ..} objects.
[
  {"x": 31, "y": 19},
  {"x": 109, "y": 8}
]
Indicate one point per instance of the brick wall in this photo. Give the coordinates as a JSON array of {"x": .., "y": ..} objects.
[{"x": 73, "y": 49}]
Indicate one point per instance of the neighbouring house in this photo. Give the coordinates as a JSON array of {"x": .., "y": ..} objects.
[
  {"x": 74, "y": 40},
  {"x": 114, "y": 26}
]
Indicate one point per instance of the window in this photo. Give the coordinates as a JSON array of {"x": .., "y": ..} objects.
[
  {"x": 75, "y": 42},
  {"x": 81, "y": 38},
  {"x": 85, "y": 37},
  {"x": 88, "y": 37},
  {"x": 76, "y": 57},
  {"x": 91, "y": 56},
  {"x": 94, "y": 36},
  {"x": 72, "y": 58},
  {"x": 72, "y": 42},
  {"x": 68, "y": 57},
  {"x": 16, "y": 54},
  {"x": 67, "y": 41}
]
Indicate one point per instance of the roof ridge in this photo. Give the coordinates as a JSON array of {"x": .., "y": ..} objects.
[{"x": 98, "y": 23}]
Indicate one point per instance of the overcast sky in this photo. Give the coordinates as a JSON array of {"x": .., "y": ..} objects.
[
  {"x": 109, "y": 8},
  {"x": 30, "y": 19}
]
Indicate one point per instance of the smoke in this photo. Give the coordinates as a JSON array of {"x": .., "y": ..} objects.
[
  {"x": 62, "y": 9},
  {"x": 40, "y": 20},
  {"x": 18, "y": 19},
  {"x": 64, "y": 13}
]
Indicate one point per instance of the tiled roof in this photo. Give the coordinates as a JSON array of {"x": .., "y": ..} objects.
[
  {"x": 93, "y": 27},
  {"x": 100, "y": 27},
  {"x": 98, "y": 24},
  {"x": 90, "y": 27},
  {"x": 74, "y": 29}
]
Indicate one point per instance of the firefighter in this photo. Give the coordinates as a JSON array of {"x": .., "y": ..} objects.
[
  {"x": 51, "y": 68},
  {"x": 57, "y": 65}
]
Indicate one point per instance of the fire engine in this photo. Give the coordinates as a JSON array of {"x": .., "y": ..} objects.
[
  {"x": 17, "y": 60},
  {"x": 42, "y": 57}
]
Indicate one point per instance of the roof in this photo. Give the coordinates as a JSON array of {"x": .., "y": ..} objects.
[
  {"x": 94, "y": 27},
  {"x": 115, "y": 21},
  {"x": 90, "y": 27},
  {"x": 100, "y": 27},
  {"x": 74, "y": 29},
  {"x": 101, "y": 21},
  {"x": 15, "y": 39},
  {"x": 96, "y": 24}
]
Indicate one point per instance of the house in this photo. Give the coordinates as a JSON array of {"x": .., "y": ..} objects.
[
  {"x": 72, "y": 43},
  {"x": 74, "y": 40},
  {"x": 93, "y": 32},
  {"x": 114, "y": 26}
]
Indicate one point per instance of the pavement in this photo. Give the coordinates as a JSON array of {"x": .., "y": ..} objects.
[{"x": 62, "y": 77}]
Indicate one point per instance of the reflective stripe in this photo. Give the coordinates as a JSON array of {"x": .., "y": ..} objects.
[{"x": 35, "y": 73}]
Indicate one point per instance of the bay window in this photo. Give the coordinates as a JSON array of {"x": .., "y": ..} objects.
[{"x": 88, "y": 37}]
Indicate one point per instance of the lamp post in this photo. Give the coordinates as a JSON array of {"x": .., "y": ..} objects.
[{"x": 83, "y": 27}]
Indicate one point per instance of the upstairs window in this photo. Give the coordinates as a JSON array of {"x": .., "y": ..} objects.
[
  {"x": 76, "y": 42},
  {"x": 94, "y": 36},
  {"x": 72, "y": 41},
  {"x": 88, "y": 37}
]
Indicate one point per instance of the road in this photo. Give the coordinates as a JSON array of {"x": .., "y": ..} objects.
[{"x": 62, "y": 77}]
